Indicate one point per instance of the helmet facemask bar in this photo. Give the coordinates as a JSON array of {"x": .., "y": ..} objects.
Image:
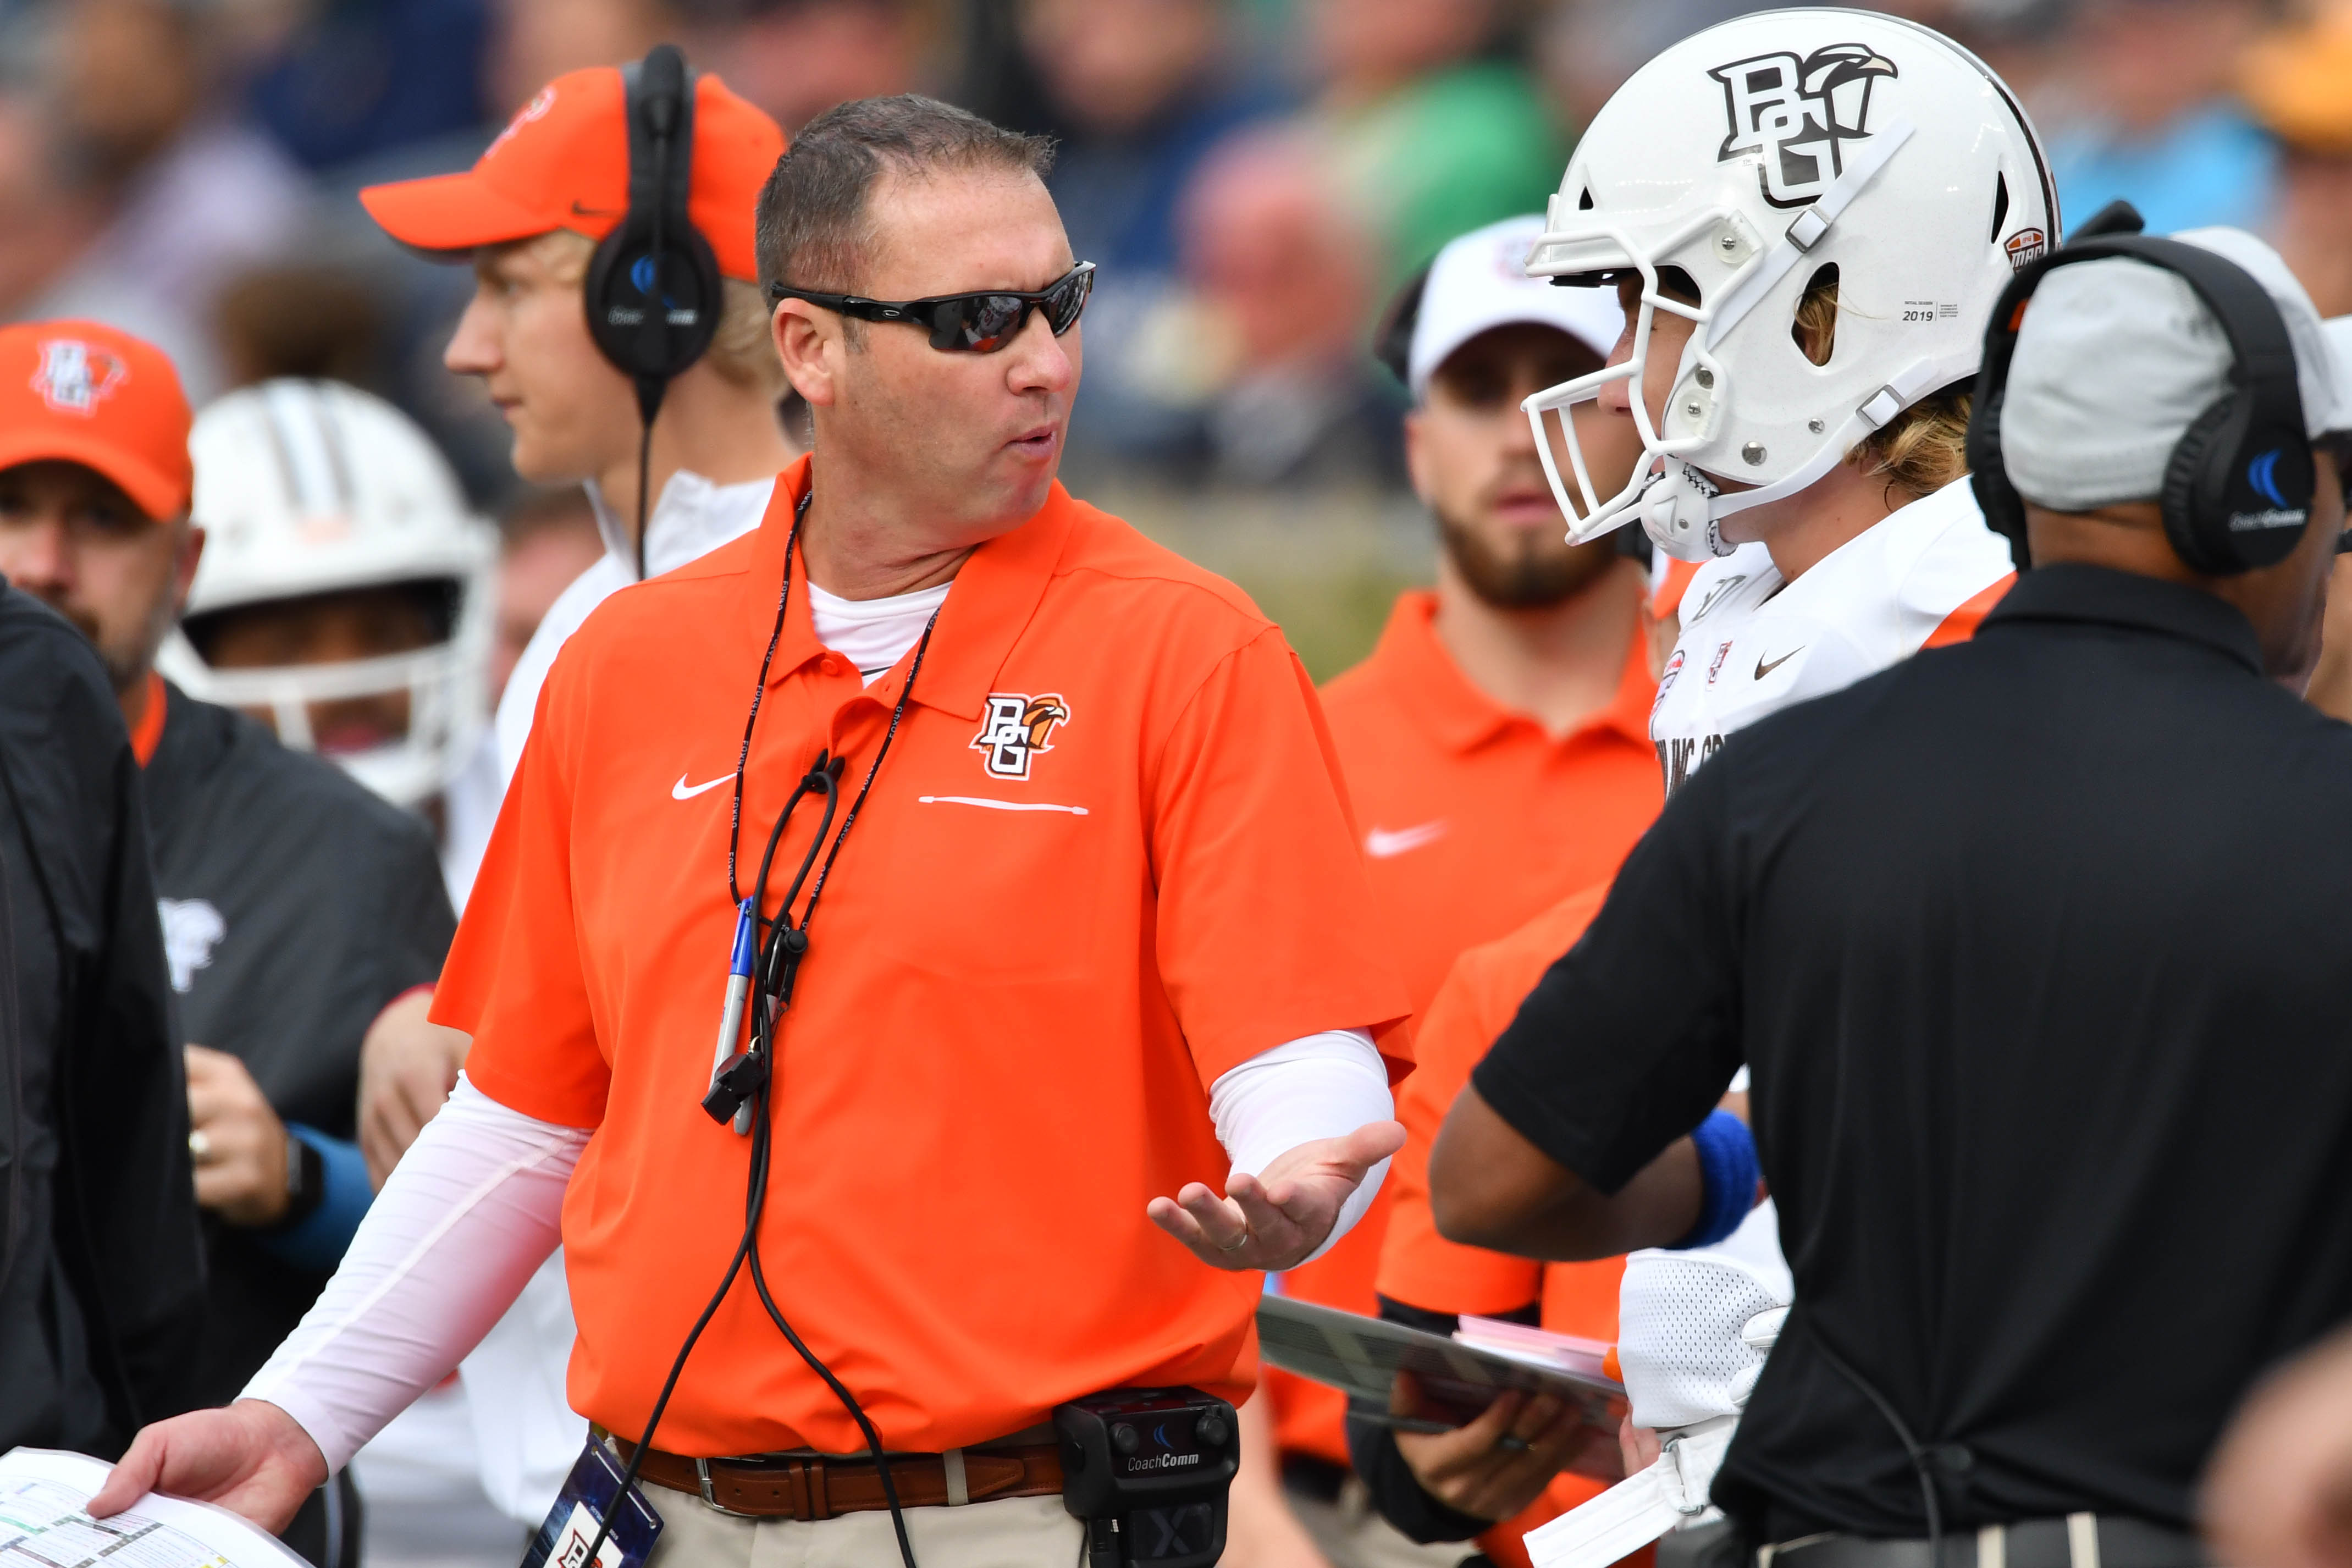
[
  {"x": 1588, "y": 516},
  {"x": 406, "y": 769}
]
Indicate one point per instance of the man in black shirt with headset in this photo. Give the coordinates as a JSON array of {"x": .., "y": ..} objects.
[{"x": 2035, "y": 948}]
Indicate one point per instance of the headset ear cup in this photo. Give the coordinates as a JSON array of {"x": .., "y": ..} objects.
[
  {"x": 615, "y": 303},
  {"x": 2196, "y": 485},
  {"x": 1997, "y": 499}
]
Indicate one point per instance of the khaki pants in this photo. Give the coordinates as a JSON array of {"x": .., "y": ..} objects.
[
  {"x": 1352, "y": 1534},
  {"x": 1008, "y": 1532}
]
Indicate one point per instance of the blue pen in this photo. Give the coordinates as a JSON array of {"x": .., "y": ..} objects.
[{"x": 739, "y": 986}]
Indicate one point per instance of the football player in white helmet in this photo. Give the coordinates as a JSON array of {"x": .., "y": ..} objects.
[
  {"x": 1808, "y": 215},
  {"x": 346, "y": 591}
]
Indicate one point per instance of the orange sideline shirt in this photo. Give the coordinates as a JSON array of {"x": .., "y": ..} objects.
[
  {"x": 1421, "y": 1267},
  {"x": 1107, "y": 858},
  {"x": 1474, "y": 820}
]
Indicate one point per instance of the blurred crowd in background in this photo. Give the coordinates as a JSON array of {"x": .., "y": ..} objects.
[{"x": 1252, "y": 177}]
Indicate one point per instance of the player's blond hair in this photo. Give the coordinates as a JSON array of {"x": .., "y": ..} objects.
[
  {"x": 741, "y": 351},
  {"x": 1922, "y": 448}
]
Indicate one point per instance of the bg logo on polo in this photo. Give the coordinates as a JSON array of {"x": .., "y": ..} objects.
[
  {"x": 192, "y": 928},
  {"x": 75, "y": 377},
  {"x": 1018, "y": 727},
  {"x": 1797, "y": 112}
]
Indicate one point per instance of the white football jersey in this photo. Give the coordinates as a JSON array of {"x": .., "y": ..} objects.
[
  {"x": 1753, "y": 643},
  {"x": 1695, "y": 1324}
]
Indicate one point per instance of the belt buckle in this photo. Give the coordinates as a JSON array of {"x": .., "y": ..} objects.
[{"x": 709, "y": 1498}]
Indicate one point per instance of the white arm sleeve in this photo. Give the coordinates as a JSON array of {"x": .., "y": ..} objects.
[
  {"x": 1322, "y": 1085},
  {"x": 470, "y": 1211}
]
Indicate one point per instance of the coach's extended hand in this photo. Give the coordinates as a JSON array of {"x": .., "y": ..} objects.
[{"x": 1274, "y": 1219}]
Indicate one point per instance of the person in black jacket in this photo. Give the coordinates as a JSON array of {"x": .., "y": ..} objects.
[
  {"x": 296, "y": 905},
  {"x": 102, "y": 1268}
]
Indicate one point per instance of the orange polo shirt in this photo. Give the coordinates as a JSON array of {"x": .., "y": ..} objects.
[
  {"x": 1421, "y": 1268},
  {"x": 1474, "y": 820},
  {"x": 1107, "y": 858}
]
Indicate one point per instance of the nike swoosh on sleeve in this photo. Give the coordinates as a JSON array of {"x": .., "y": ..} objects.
[
  {"x": 682, "y": 791},
  {"x": 1379, "y": 843},
  {"x": 1763, "y": 668}
]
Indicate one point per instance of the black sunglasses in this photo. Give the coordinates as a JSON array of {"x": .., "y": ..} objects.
[{"x": 964, "y": 324}]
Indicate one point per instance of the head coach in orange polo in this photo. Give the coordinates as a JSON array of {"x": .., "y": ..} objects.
[{"x": 1055, "y": 922}]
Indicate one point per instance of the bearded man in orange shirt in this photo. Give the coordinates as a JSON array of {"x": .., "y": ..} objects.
[
  {"x": 1496, "y": 749},
  {"x": 1075, "y": 930}
]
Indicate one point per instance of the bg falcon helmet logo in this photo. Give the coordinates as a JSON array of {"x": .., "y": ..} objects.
[
  {"x": 75, "y": 377},
  {"x": 1797, "y": 113},
  {"x": 1017, "y": 727}
]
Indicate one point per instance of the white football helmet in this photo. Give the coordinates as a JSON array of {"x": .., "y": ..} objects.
[
  {"x": 313, "y": 487},
  {"x": 1752, "y": 156}
]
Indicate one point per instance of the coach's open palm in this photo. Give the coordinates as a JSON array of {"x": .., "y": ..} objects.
[
  {"x": 1274, "y": 1219},
  {"x": 251, "y": 1459}
]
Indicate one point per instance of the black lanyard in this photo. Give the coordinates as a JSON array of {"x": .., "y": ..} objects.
[{"x": 781, "y": 954}]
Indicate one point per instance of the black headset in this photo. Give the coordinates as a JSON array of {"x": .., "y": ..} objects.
[
  {"x": 653, "y": 291},
  {"x": 2238, "y": 488}
]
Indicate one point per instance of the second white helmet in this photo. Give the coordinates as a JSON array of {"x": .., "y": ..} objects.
[
  {"x": 1754, "y": 157},
  {"x": 306, "y": 487}
]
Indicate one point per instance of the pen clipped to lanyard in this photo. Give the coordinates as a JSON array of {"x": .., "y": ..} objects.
[{"x": 739, "y": 986}]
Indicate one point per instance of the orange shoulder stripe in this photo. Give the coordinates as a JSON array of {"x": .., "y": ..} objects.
[{"x": 1961, "y": 623}]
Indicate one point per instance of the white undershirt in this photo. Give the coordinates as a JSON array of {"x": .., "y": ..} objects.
[
  {"x": 475, "y": 1207},
  {"x": 873, "y": 634}
]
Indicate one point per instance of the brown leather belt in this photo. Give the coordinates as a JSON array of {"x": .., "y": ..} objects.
[{"x": 819, "y": 1486}]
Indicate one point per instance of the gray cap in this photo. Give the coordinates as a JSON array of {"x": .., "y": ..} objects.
[{"x": 2117, "y": 358}]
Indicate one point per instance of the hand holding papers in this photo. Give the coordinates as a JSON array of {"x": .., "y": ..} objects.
[{"x": 45, "y": 1524}]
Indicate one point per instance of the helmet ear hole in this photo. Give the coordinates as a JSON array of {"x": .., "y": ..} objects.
[
  {"x": 1584, "y": 202},
  {"x": 1678, "y": 284},
  {"x": 1999, "y": 206},
  {"x": 1813, "y": 329}
]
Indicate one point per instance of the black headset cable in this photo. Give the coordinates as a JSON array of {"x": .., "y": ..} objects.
[{"x": 778, "y": 966}]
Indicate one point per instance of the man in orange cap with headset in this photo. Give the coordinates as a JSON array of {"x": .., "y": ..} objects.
[{"x": 527, "y": 217}]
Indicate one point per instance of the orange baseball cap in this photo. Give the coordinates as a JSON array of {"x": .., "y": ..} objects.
[
  {"x": 563, "y": 162},
  {"x": 78, "y": 391}
]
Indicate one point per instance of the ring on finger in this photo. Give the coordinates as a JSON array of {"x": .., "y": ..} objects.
[
  {"x": 200, "y": 1146},
  {"x": 1240, "y": 1242}
]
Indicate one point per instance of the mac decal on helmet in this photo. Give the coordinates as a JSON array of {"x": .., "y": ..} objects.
[
  {"x": 1753, "y": 158},
  {"x": 306, "y": 487}
]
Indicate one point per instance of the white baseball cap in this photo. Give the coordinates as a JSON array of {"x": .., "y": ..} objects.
[
  {"x": 1479, "y": 282},
  {"x": 2117, "y": 358}
]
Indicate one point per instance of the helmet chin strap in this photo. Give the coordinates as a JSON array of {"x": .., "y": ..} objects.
[
  {"x": 1676, "y": 515},
  {"x": 1683, "y": 508}
]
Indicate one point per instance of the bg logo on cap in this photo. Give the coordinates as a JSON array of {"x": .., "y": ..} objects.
[{"x": 75, "y": 377}]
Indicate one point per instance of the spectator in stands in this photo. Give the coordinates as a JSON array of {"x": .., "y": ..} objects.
[
  {"x": 182, "y": 196},
  {"x": 1268, "y": 348},
  {"x": 2298, "y": 81},
  {"x": 2156, "y": 123},
  {"x": 1431, "y": 126},
  {"x": 794, "y": 60},
  {"x": 1137, "y": 94}
]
